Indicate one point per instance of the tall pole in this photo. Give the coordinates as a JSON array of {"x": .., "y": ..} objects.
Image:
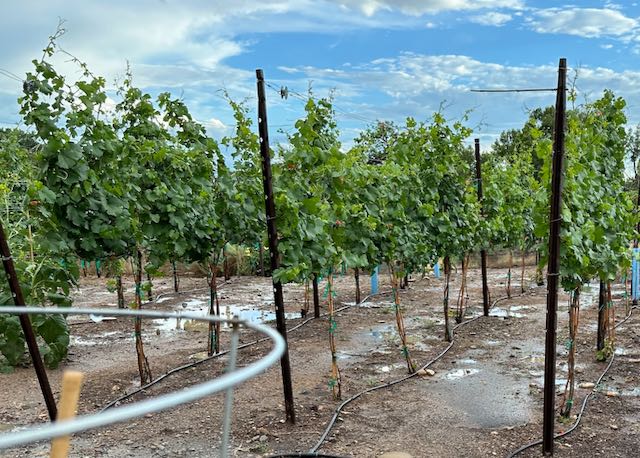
[
  {"x": 316, "y": 297},
  {"x": 635, "y": 245},
  {"x": 553, "y": 271},
  {"x": 25, "y": 323},
  {"x": 270, "y": 208},
  {"x": 602, "y": 315},
  {"x": 483, "y": 252}
]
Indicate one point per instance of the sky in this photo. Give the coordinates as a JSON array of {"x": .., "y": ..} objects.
[{"x": 380, "y": 59}]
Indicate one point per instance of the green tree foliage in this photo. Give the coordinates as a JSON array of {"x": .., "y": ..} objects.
[{"x": 46, "y": 276}]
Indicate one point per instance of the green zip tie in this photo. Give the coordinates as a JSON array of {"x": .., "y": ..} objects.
[
  {"x": 332, "y": 383},
  {"x": 333, "y": 325},
  {"x": 568, "y": 344},
  {"x": 405, "y": 351}
]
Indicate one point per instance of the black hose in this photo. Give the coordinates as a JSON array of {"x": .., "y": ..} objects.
[
  {"x": 302, "y": 454},
  {"x": 584, "y": 402},
  {"x": 220, "y": 354}
]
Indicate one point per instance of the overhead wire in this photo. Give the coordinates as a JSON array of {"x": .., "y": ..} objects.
[
  {"x": 10, "y": 75},
  {"x": 284, "y": 92}
]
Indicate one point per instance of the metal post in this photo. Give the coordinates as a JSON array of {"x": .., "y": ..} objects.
[
  {"x": 25, "y": 322},
  {"x": 553, "y": 271},
  {"x": 634, "y": 279},
  {"x": 635, "y": 274},
  {"x": 228, "y": 397},
  {"x": 270, "y": 208},
  {"x": 316, "y": 297},
  {"x": 483, "y": 252},
  {"x": 602, "y": 310}
]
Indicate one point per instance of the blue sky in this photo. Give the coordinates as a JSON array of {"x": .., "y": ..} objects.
[{"x": 383, "y": 59}]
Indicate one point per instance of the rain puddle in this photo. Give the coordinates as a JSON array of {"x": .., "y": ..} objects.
[
  {"x": 388, "y": 368},
  {"x": 504, "y": 313},
  {"x": 486, "y": 398},
  {"x": 82, "y": 342},
  {"x": 371, "y": 305},
  {"x": 518, "y": 308},
  {"x": 539, "y": 381},
  {"x": 457, "y": 374},
  {"x": 632, "y": 392},
  {"x": 382, "y": 332},
  {"x": 421, "y": 346},
  {"x": 535, "y": 359},
  {"x": 100, "y": 339},
  {"x": 200, "y": 307},
  {"x": 342, "y": 355}
]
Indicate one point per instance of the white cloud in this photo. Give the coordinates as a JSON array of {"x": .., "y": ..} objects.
[
  {"x": 585, "y": 22},
  {"x": 491, "y": 19},
  {"x": 216, "y": 124},
  {"x": 187, "y": 47},
  {"x": 420, "y": 7},
  {"x": 418, "y": 85}
]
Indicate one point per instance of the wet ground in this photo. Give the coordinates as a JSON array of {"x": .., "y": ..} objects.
[{"x": 483, "y": 398}]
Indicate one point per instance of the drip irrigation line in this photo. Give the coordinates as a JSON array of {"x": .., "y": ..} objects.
[
  {"x": 227, "y": 381},
  {"x": 337, "y": 411},
  {"x": 218, "y": 355},
  {"x": 302, "y": 454},
  {"x": 584, "y": 402}
]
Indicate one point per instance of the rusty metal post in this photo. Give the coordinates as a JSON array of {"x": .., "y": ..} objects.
[
  {"x": 273, "y": 244},
  {"x": 25, "y": 322},
  {"x": 553, "y": 271},
  {"x": 483, "y": 252}
]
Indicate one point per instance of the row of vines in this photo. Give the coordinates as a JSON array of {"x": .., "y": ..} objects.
[{"x": 140, "y": 179}]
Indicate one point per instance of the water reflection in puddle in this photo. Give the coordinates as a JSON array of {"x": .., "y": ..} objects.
[
  {"x": 457, "y": 374},
  {"x": 631, "y": 392},
  {"x": 503, "y": 313},
  {"x": 540, "y": 381},
  {"x": 200, "y": 307},
  {"x": 99, "y": 339},
  {"x": 389, "y": 368}
]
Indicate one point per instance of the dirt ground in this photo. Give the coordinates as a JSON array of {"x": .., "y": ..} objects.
[{"x": 484, "y": 398}]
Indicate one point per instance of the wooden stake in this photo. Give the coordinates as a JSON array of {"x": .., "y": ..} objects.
[{"x": 69, "y": 395}]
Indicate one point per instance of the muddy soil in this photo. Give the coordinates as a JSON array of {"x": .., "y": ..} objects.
[{"x": 483, "y": 399}]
